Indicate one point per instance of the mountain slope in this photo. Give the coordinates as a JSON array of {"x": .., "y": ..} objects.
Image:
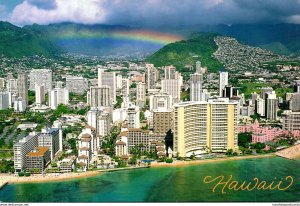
[
  {"x": 18, "y": 42},
  {"x": 280, "y": 38},
  {"x": 186, "y": 52}
]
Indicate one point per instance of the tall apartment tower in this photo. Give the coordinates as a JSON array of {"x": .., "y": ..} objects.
[
  {"x": 271, "y": 106},
  {"x": 4, "y": 100},
  {"x": 152, "y": 75},
  {"x": 133, "y": 116},
  {"x": 125, "y": 87},
  {"x": 58, "y": 96},
  {"x": 265, "y": 90},
  {"x": 223, "y": 81},
  {"x": 215, "y": 131},
  {"x": 22, "y": 83},
  {"x": 196, "y": 87},
  {"x": 171, "y": 87},
  {"x": 108, "y": 79},
  {"x": 170, "y": 72},
  {"x": 140, "y": 94},
  {"x": 99, "y": 97},
  {"x": 39, "y": 94}
]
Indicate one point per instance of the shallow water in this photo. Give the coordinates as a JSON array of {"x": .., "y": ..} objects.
[{"x": 168, "y": 184}]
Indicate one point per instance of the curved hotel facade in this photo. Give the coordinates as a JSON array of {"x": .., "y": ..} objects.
[{"x": 201, "y": 127}]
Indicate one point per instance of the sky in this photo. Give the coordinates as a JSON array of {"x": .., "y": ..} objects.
[{"x": 150, "y": 13}]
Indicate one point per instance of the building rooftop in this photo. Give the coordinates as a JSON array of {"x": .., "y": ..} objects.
[
  {"x": 120, "y": 143},
  {"x": 86, "y": 136},
  {"x": 38, "y": 152}
]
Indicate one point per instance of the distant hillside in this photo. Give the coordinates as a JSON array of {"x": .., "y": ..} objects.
[
  {"x": 279, "y": 38},
  {"x": 18, "y": 42},
  {"x": 201, "y": 47}
]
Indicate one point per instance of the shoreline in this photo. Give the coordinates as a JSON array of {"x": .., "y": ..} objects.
[
  {"x": 198, "y": 162},
  {"x": 38, "y": 178},
  {"x": 53, "y": 177}
]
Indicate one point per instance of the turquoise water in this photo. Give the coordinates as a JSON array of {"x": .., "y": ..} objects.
[{"x": 170, "y": 184}]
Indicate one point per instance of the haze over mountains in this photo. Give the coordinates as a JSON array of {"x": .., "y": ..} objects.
[{"x": 117, "y": 40}]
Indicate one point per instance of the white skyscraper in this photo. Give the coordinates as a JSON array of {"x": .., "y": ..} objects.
[
  {"x": 170, "y": 72},
  {"x": 108, "y": 79},
  {"x": 223, "y": 82},
  {"x": 58, "y": 96},
  {"x": 152, "y": 75},
  {"x": 39, "y": 94},
  {"x": 99, "y": 97},
  {"x": 125, "y": 87},
  {"x": 196, "y": 87},
  {"x": 77, "y": 85},
  {"x": 20, "y": 105},
  {"x": 12, "y": 86},
  {"x": 171, "y": 87},
  {"x": 103, "y": 124},
  {"x": 4, "y": 100},
  {"x": 119, "y": 81},
  {"x": 260, "y": 106},
  {"x": 92, "y": 116},
  {"x": 133, "y": 116},
  {"x": 140, "y": 94},
  {"x": 271, "y": 105},
  {"x": 40, "y": 77},
  {"x": 198, "y": 67},
  {"x": 22, "y": 83}
]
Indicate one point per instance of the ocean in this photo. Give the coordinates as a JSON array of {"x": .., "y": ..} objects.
[{"x": 169, "y": 184}]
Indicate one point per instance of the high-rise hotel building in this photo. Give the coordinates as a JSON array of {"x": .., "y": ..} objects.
[{"x": 201, "y": 127}]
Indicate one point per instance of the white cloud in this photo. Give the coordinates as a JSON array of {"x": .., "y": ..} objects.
[
  {"x": 295, "y": 19},
  {"x": 79, "y": 11},
  {"x": 177, "y": 13}
]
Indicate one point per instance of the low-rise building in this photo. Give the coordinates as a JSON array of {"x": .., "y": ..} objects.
[{"x": 67, "y": 164}]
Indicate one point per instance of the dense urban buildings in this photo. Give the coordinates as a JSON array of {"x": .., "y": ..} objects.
[
  {"x": 40, "y": 77},
  {"x": 77, "y": 85}
]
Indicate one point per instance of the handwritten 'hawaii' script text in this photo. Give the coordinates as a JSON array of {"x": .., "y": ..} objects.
[{"x": 229, "y": 184}]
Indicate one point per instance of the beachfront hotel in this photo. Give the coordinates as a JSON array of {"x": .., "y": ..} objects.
[
  {"x": 38, "y": 159},
  {"x": 201, "y": 127},
  {"x": 21, "y": 149}
]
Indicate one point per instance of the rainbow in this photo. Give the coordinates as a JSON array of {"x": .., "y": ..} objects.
[{"x": 135, "y": 35}]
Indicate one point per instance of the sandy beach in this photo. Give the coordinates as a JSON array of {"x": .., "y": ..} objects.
[
  {"x": 13, "y": 179},
  {"x": 195, "y": 162}
]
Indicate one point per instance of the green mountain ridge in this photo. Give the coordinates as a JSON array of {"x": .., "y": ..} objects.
[
  {"x": 18, "y": 42},
  {"x": 200, "y": 47}
]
